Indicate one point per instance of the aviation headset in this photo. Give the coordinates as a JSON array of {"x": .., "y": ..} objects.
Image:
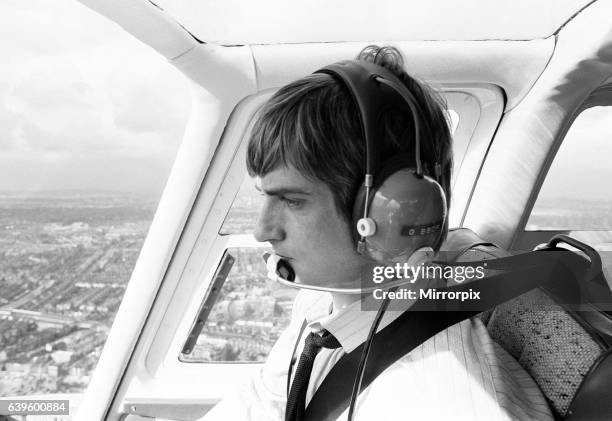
[{"x": 399, "y": 209}]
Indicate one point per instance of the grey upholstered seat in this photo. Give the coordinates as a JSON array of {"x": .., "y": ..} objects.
[
  {"x": 554, "y": 349},
  {"x": 566, "y": 356}
]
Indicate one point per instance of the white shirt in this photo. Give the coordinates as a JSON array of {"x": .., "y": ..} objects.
[{"x": 459, "y": 374}]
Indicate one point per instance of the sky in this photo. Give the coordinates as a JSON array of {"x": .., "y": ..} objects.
[
  {"x": 83, "y": 104},
  {"x": 582, "y": 168}
]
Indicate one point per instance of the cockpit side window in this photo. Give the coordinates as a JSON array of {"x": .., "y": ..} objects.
[
  {"x": 91, "y": 121},
  {"x": 576, "y": 194},
  {"x": 575, "y": 198},
  {"x": 247, "y": 315}
]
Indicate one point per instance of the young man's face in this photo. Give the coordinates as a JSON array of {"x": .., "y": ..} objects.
[{"x": 299, "y": 218}]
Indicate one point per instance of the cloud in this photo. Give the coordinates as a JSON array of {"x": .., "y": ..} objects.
[
  {"x": 42, "y": 27},
  {"x": 582, "y": 162},
  {"x": 75, "y": 88}
]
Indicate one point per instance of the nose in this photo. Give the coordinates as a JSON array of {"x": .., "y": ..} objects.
[{"x": 269, "y": 226}]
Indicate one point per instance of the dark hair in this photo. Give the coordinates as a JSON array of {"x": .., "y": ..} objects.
[{"x": 313, "y": 125}]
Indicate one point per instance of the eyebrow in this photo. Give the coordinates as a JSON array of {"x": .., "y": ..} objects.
[{"x": 283, "y": 190}]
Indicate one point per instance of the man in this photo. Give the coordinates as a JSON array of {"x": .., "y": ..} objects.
[{"x": 307, "y": 152}]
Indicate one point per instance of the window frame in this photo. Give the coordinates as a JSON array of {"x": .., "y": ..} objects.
[{"x": 528, "y": 239}]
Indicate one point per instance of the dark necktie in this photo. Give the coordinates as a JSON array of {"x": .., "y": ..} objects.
[{"x": 297, "y": 396}]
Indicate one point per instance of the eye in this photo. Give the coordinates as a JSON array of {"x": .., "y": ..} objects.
[{"x": 291, "y": 203}]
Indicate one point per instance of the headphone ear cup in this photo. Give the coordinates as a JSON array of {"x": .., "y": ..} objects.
[
  {"x": 387, "y": 168},
  {"x": 409, "y": 212}
]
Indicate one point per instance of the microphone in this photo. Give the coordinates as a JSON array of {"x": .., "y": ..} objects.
[{"x": 280, "y": 270}]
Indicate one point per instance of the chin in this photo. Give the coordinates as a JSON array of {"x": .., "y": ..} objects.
[{"x": 308, "y": 279}]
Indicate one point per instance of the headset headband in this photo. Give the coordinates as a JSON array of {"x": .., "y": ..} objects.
[{"x": 375, "y": 89}]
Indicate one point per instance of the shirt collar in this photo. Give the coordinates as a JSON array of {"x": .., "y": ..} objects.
[{"x": 352, "y": 324}]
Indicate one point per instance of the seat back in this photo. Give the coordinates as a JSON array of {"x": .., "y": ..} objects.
[
  {"x": 568, "y": 353},
  {"x": 548, "y": 342}
]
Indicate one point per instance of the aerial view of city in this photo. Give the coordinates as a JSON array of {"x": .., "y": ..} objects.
[{"x": 65, "y": 260}]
